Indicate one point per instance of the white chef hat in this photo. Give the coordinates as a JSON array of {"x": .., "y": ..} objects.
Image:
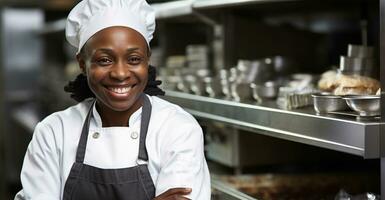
[{"x": 90, "y": 16}]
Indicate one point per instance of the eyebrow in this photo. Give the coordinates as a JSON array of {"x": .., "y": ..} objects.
[
  {"x": 104, "y": 50},
  {"x": 132, "y": 49},
  {"x": 107, "y": 50}
]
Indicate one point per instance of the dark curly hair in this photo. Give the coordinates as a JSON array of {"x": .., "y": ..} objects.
[{"x": 79, "y": 89}]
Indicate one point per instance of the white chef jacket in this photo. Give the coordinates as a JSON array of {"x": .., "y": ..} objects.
[{"x": 174, "y": 144}]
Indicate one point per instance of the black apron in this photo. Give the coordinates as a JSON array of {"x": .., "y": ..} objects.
[{"x": 86, "y": 182}]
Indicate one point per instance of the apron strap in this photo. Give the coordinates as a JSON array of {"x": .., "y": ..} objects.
[
  {"x": 81, "y": 151},
  {"x": 146, "y": 114}
]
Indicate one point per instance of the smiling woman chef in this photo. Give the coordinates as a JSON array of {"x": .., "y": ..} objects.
[{"x": 120, "y": 143}]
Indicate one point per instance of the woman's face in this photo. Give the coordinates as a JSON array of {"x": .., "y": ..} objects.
[{"x": 116, "y": 63}]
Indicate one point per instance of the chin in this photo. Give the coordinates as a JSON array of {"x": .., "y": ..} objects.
[{"x": 121, "y": 106}]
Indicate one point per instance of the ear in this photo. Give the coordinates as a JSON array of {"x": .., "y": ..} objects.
[{"x": 81, "y": 62}]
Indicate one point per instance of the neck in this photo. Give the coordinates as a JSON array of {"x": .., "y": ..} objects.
[{"x": 112, "y": 117}]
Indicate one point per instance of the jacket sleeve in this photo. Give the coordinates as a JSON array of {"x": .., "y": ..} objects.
[
  {"x": 182, "y": 159},
  {"x": 40, "y": 177}
]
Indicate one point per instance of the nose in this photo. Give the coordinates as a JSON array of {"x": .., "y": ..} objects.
[{"x": 120, "y": 72}]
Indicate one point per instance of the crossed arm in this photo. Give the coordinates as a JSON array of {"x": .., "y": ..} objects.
[{"x": 174, "y": 194}]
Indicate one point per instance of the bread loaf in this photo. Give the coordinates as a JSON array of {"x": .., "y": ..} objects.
[
  {"x": 356, "y": 85},
  {"x": 327, "y": 81},
  {"x": 340, "y": 84}
]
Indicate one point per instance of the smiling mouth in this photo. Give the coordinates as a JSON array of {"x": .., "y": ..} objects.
[{"x": 121, "y": 90}]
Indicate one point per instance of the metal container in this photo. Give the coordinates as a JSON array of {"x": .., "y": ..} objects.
[
  {"x": 212, "y": 87},
  {"x": 360, "y": 51},
  {"x": 325, "y": 102},
  {"x": 241, "y": 92},
  {"x": 355, "y": 65},
  {"x": 224, "y": 84},
  {"x": 367, "y": 105},
  {"x": 195, "y": 84},
  {"x": 269, "y": 90},
  {"x": 197, "y": 56},
  {"x": 367, "y": 73},
  {"x": 258, "y": 71}
]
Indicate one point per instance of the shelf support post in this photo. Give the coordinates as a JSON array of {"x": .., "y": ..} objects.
[{"x": 382, "y": 80}]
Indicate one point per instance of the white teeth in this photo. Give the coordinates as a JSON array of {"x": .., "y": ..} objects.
[{"x": 120, "y": 90}]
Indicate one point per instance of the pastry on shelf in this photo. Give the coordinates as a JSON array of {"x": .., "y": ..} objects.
[
  {"x": 340, "y": 84},
  {"x": 327, "y": 81},
  {"x": 356, "y": 85}
]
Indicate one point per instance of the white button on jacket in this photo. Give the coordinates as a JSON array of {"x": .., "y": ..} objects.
[{"x": 174, "y": 144}]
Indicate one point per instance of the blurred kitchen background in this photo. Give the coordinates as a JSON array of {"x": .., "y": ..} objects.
[{"x": 287, "y": 91}]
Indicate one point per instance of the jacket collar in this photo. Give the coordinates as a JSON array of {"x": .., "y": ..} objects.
[{"x": 136, "y": 116}]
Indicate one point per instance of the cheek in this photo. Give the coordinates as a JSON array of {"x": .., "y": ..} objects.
[
  {"x": 141, "y": 73},
  {"x": 95, "y": 75},
  {"x": 144, "y": 75}
]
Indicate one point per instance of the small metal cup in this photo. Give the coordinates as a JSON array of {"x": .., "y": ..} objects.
[{"x": 324, "y": 103}]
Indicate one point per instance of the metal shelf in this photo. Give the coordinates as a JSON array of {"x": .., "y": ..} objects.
[
  {"x": 186, "y": 7},
  {"x": 209, "y": 4},
  {"x": 340, "y": 133},
  {"x": 173, "y": 9}
]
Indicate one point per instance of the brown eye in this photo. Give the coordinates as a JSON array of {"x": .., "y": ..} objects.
[
  {"x": 135, "y": 60},
  {"x": 104, "y": 61}
]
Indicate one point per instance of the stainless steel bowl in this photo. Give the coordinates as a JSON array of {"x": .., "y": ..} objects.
[
  {"x": 268, "y": 90},
  {"x": 325, "y": 102},
  {"x": 367, "y": 105}
]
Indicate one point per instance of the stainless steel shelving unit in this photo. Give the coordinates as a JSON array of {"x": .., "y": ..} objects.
[{"x": 344, "y": 134}]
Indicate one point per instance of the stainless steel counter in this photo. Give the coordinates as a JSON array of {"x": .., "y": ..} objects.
[{"x": 341, "y": 133}]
